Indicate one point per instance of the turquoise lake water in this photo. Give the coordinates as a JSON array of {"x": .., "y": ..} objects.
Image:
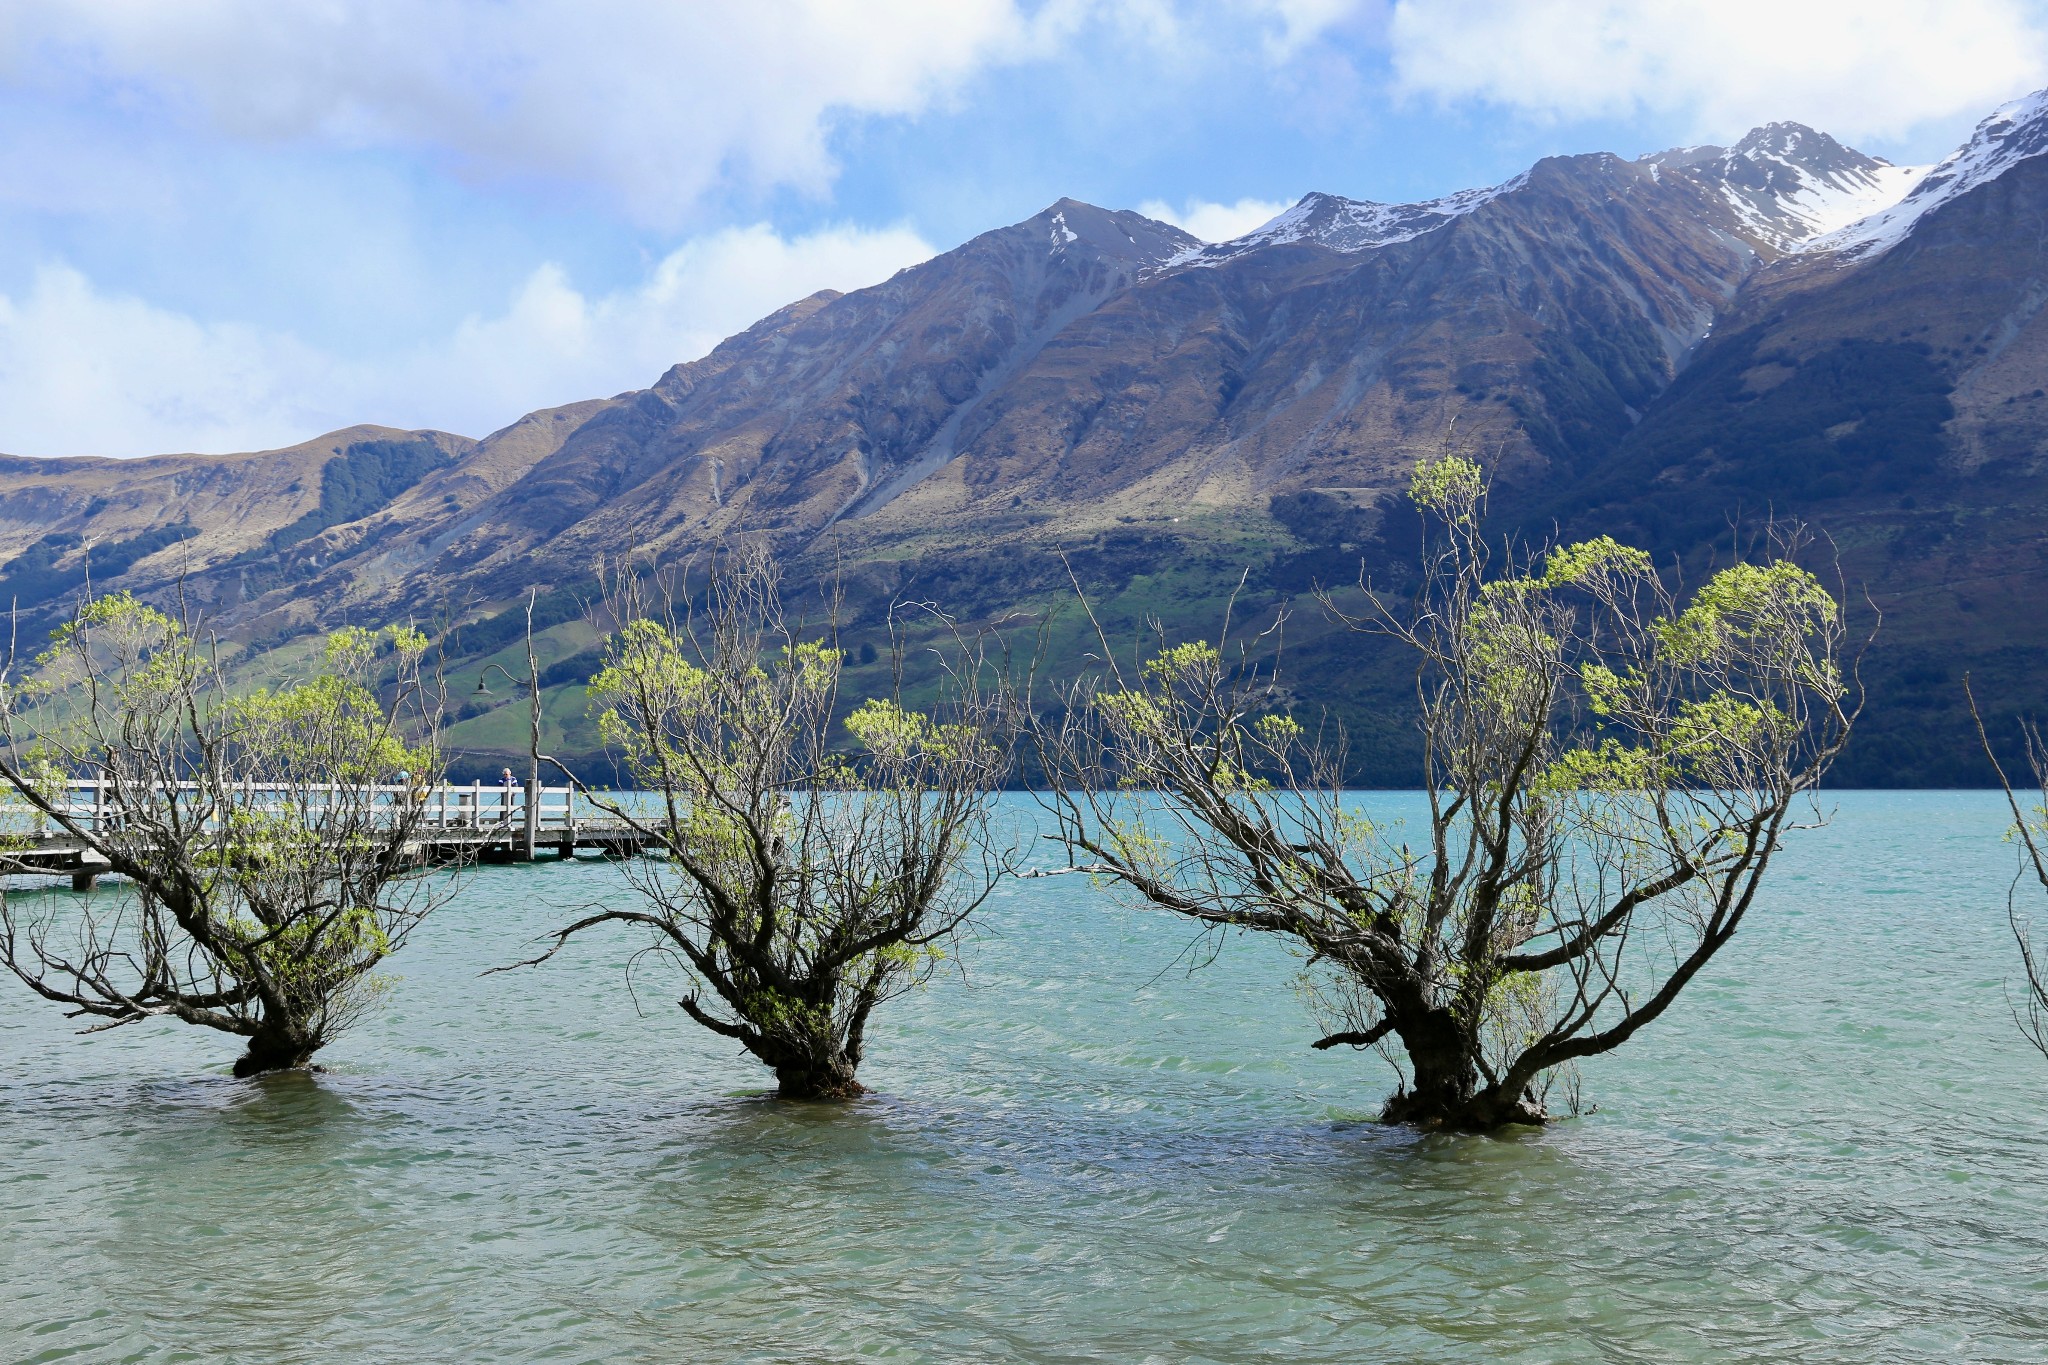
[{"x": 1834, "y": 1148}]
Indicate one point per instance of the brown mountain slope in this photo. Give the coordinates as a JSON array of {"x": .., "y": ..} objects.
[
  {"x": 1085, "y": 366},
  {"x": 1562, "y": 300}
]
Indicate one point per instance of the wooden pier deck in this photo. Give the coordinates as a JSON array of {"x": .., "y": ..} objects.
[{"x": 481, "y": 822}]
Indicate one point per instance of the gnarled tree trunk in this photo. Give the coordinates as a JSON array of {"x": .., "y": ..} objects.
[
  {"x": 277, "y": 1047},
  {"x": 1450, "y": 1089},
  {"x": 828, "y": 1074}
]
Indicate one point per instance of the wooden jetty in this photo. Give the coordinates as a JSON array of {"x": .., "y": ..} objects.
[{"x": 482, "y": 822}]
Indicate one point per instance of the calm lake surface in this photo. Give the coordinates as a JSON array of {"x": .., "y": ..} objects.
[{"x": 1834, "y": 1148}]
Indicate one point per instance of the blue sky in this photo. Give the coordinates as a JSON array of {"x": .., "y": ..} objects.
[{"x": 233, "y": 224}]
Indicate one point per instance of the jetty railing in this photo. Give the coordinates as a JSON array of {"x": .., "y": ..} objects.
[
  {"x": 487, "y": 820},
  {"x": 448, "y": 805}
]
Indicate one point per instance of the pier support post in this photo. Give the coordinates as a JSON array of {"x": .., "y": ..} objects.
[
  {"x": 87, "y": 870},
  {"x": 532, "y": 816}
]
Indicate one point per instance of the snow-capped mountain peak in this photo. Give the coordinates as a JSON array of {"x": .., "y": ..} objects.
[
  {"x": 2013, "y": 134},
  {"x": 1787, "y": 184}
]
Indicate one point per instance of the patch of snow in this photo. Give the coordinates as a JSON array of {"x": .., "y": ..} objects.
[
  {"x": 2015, "y": 133},
  {"x": 1829, "y": 203},
  {"x": 1061, "y": 233}
]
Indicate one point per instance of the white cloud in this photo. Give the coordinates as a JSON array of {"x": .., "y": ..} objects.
[
  {"x": 1215, "y": 222},
  {"x": 664, "y": 103},
  {"x": 89, "y": 372},
  {"x": 1856, "y": 68},
  {"x": 661, "y": 101},
  {"x": 82, "y": 372}
]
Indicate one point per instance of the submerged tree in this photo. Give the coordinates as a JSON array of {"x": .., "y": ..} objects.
[
  {"x": 1610, "y": 771},
  {"x": 803, "y": 881},
  {"x": 267, "y": 865},
  {"x": 2029, "y": 830}
]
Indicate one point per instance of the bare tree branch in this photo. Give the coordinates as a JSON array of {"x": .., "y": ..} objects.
[{"x": 2027, "y": 828}]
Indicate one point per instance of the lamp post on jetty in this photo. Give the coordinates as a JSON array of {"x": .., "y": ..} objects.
[{"x": 532, "y": 685}]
